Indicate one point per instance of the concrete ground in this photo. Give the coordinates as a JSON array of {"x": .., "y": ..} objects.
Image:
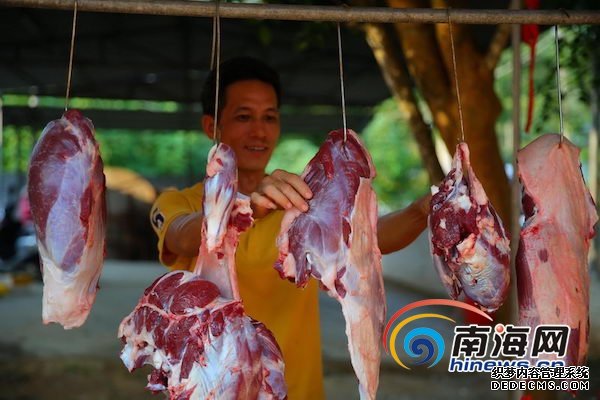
[{"x": 47, "y": 362}]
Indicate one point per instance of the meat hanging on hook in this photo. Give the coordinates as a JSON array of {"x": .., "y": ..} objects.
[{"x": 66, "y": 189}]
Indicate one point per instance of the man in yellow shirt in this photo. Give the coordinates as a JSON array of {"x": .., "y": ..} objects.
[{"x": 248, "y": 121}]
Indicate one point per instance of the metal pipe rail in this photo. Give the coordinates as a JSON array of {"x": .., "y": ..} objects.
[{"x": 319, "y": 13}]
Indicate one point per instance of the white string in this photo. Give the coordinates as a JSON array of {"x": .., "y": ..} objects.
[
  {"x": 69, "y": 73},
  {"x": 215, "y": 63},
  {"x": 560, "y": 113},
  {"x": 214, "y": 37},
  {"x": 460, "y": 116},
  {"x": 342, "y": 79}
]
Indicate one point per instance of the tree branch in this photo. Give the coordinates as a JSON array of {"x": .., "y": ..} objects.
[
  {"x": 497, "y": 45},
  {"x": 395, "y": 75}
]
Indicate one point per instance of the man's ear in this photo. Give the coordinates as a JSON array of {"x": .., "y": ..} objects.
[{"x": 208, "y": 125}]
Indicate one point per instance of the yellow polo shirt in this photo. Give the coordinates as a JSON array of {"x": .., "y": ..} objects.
[{"x": 291, "y": 314}]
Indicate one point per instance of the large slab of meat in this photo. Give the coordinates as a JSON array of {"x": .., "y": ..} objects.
[
  {"x": 336, "y": 243},
  {"x": 552, "y": 267},
  {"x": 200, "y": 344},
  {"x": 191, "y": 327},
  {"x": 469, "y": 244},
  {"x": 66, "y": 189}
]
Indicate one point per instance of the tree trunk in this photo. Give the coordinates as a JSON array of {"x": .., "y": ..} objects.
[
  {"x": 395, "y": 76},
  {"x": 428, "y": 55}
]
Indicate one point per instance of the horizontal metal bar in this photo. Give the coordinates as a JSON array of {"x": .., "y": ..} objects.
[{"x": 319, "y": 13}]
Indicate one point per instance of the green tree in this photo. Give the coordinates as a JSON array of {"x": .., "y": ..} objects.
[{"x": 400, "y": 173}]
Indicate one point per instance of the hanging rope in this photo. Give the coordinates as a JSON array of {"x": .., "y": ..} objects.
[
  {"x": 560, "y": 113},
  {"x": 339, "y": 32},
  {"x": 70, "y": 72},
  {"x": 214, "y": 37},
  {"x": 460, "y": 116},
  {"x": 215, "y": 60}
]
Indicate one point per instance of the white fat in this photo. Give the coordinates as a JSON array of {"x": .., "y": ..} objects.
[
  {"x": 464, "y": 202},
  {"x": 466, "y": 248},
  {"x": 157, "y": 359},
  {"x": 216, "y": 214},
  {"x": 309, "y": 259},
  {"x": 434, "y": 189},
  {"x": 68, "y": 296},
  {"x": 475, "y": 261},
  {"x": 443, "y": 223},
  {"x": 289, "y": 266},
  {"x": 126, "y": 356}
]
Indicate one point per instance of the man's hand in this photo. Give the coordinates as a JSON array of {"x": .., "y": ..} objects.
[{"x": 280, "y": 190}]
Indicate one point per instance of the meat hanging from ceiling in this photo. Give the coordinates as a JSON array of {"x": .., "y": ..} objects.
[
  {"x": 66, "y": 189},
  {"x": 552, "y": 266},
  {"x": 335, "y": 241},
  {"x": 469, "y": 245},
  {"x": 191, "y": 327}
]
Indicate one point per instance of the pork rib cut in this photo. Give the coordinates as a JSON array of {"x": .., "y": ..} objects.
[
  {"x": 552, "y": 267},
  {"x": 66, "y": 189},
  {"x": 335, "y": 241},
  {"x": 470, "y": 248},
  {"x": 190, "y": 327}
]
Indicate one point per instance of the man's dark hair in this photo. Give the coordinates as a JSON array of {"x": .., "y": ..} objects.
[{"x": 235, "y": 70}]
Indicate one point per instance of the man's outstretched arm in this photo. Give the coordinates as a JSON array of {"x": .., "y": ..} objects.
[
  {"x": 400, "y": 228},
  {"x": 396, "y": 230},
  {"x": 184, "y": 235}
]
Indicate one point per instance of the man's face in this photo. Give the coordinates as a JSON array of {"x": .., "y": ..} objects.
[{"x": 249, "y": 123}]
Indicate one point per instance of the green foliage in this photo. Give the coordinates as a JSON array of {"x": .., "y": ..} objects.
[
  {"x": 401, "y": 177},
  {"x": 154, "y": 154},
  {"x": 292, "y": 154},
  {"x": 83, "y": 103},
  {"x": 575, "y": 84},
  {"x": 17, "y": 145}
]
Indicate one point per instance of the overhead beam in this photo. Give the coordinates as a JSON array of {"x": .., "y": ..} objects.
[{"x": 319, "y": 13}]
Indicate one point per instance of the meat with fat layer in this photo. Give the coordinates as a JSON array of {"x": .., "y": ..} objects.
[
  {"x": 552, "y": 266},
  {"x": 66, "y": 189},
  {"x": 200, "y": 345},
  {"x": 468, "y": 242},
  {"x": 191, "y": 327},
  {"x": 335, "y": 241}
]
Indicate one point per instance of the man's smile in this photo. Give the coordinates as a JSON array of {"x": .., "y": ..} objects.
[{"x": 256, "y": 148}]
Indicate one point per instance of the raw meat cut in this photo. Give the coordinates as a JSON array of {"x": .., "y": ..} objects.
[
  {"x": 201, "y": 345},
  {"x": 335, "y": 241},
  {"x": 552, "y": 266},
  {"x": 221, "y": 227},
  {"x": 66, "y": 189},
  {"x": 191, "y": 327},
  {"x": 469, "y": 245}
]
